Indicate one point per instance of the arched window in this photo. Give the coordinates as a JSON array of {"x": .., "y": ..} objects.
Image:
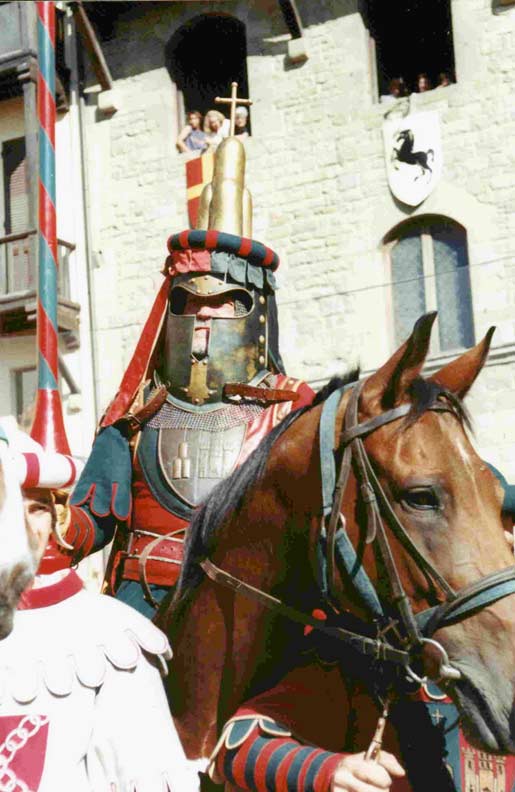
[
  {"x": 203, "y": 57},
  {"x": 430, "y": 271}
]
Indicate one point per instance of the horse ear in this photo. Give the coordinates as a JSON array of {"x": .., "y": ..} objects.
[
  {"x": 387, "y": 386},
  {"x": 458, "y": 375}
]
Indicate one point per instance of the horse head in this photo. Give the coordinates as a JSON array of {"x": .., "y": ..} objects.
[
  {"x": 448, "y": 503},
  {"x": 406, "y": 136},
  {"x": 17, "y": 558}
]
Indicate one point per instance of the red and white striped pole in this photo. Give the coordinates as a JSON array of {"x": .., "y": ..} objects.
[{"x": 48, "y": 426}]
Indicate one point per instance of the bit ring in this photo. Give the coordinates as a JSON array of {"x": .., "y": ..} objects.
[{"x": 446, "y": 670}]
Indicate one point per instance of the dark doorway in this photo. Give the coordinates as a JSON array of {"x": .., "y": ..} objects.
[
  {"x": 411, "y": 38},
  {"x": 204, "y": 57}
]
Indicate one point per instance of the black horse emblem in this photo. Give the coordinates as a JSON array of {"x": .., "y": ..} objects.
[{"x": 403, "y": 152}]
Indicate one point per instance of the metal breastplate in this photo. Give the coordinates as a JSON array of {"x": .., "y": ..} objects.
[{"x": 193, "y": 461}]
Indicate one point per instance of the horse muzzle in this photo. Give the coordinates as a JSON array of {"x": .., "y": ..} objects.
[{"x": 486, "y": 721}]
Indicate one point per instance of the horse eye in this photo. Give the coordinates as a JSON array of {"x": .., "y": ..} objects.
[{"x": 421, "y": 498}]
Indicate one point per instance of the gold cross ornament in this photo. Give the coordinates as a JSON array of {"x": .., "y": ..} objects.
[{"x": 233, "y": 100}]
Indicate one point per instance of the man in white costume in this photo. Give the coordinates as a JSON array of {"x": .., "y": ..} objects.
[{"x": 82, "y": 705}]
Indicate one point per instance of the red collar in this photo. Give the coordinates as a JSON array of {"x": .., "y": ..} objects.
[{"x": 50, "y": 595}]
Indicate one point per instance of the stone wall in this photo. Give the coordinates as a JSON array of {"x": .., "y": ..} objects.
[{"x": 316, "y": 168}]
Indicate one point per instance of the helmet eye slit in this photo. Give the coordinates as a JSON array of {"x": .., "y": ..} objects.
[{"x": 184, "y": 302}]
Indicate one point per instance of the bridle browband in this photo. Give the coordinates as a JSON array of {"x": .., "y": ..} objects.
[{"x": 337, "y": 552}]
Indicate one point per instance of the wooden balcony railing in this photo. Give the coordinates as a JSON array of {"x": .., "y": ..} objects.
[
  {"x": 17, "y": 263},
  {"x": 18, "y": 283}
]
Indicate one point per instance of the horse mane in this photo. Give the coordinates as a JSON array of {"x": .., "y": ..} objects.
[{"x": 229, "y": 494}]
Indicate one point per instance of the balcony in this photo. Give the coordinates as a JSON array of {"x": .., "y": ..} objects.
[
  {"x": 17, "y": 46},
  {"x": 18, "y": 285},
  {"x": 18, "y": 51}
]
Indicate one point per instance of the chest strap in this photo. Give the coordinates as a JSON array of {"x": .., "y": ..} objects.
[
  {"x": 136, "y": 419},
  {"x": 272, "y": 395}
]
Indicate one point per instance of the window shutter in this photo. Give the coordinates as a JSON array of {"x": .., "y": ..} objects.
[
  {"x": 455, "y": 318},
  {"x": 20, "y": 274},
  {"x": 409, "y": 300},
  {"x": 16, "y": 198}
]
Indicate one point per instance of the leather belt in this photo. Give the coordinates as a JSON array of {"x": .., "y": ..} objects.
[{"x": 153, "y": 558}]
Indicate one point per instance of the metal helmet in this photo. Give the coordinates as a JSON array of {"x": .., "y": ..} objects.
[
  {"x": 196, "y": 369},
  {"x": 206, "y": 264}
]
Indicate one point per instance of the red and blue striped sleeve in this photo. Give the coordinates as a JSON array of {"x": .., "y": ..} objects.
[{"x": 258, "y": 754}]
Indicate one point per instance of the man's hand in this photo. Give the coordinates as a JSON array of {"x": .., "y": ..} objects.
[{"x": 357, "y": 774}]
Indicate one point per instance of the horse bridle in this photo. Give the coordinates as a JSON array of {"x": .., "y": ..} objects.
[{"x": 412, "y": 630}]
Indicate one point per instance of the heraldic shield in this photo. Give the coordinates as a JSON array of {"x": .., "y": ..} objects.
[{"x": 413, "y": 152}]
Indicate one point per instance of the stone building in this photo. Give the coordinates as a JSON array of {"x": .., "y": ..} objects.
[{"x": 373, "y": 227}]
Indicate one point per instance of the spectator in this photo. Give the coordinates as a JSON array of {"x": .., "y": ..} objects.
[
  {"x": 396, "y": 90},
  {"x": 444, "y": 79},
  {"x": 215, "y": 128},
  {"x": 240, "y": 123},
  {"x": 423, "y": 83},
  {"x": 192, "y": 137}
]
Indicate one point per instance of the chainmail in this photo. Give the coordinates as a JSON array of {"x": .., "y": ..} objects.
[
  {"x": 240, "y": 309},
  {"x": 171, "y": 417}
]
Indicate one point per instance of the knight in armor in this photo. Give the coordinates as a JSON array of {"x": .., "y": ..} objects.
[
  {"x": 83, "y": 706},
  {"x": 205, "y": 385}
]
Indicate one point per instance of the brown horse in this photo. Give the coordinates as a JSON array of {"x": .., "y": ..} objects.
[{"x": 263, "y": 525}]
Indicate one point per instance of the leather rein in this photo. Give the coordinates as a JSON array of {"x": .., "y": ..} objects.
[{"x": 336, "y": 553}]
